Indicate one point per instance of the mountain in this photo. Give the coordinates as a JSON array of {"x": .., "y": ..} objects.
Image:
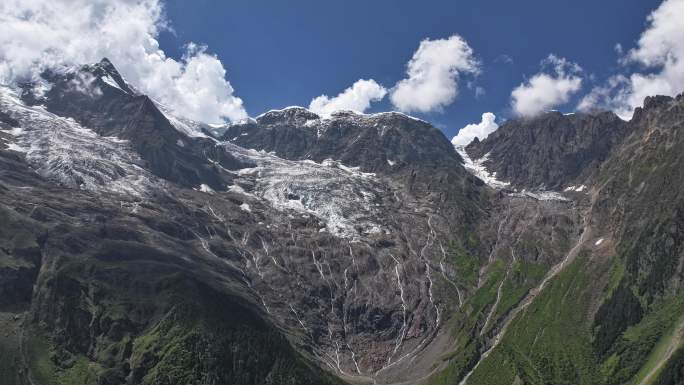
[
  {"x": 614, "y": 313},
  {"x": 551, "y": 150},
  {"x": 381, "y": 142},
  {"x": 140, "y": 247},
  {"x": 96, "y": 97}
]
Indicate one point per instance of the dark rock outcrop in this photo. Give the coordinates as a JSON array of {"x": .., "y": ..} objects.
[
  {"x": 551, "y": 151},
  {"x": 381, "y": 142}
]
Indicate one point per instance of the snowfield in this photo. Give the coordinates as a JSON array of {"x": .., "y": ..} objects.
[
  {"x": 477, "y": 168},
  {"x": 74, "y": 156},
  {"x": 342, "y": 197}
]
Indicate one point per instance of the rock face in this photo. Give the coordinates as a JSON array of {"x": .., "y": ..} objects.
[
  {"x": 139, "y": 247},
  {"x": 641, "y": 202},
  {"x": 551, "y": 151},
  {"x": 620, "y": 296},
  {"x": 377, "y": 143}
]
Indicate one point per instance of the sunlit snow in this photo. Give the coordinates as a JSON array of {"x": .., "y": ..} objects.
[
  {"x": 71, "y": 155},
  {"x": 477, "y": 168}
]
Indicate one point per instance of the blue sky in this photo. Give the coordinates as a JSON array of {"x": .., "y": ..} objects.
[
  {"x": 448, "y": 62},
  {"x": 281, "y": 53}
]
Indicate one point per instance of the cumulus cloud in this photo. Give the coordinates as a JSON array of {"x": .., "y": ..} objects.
[
  {"x": 476, "y": 130},
  {"x": 660, "y": 54},
  {"x": 83, "y": 83},
  {"x": 433, "y": 72},
  {"x": 547, "y": 90},
  {"x": 40, "y": 34},
  {"x": 358, "y": 98},
  {"x": 611, "y": 95}
]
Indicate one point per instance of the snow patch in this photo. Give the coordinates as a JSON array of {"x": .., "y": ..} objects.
[
  {"x": 378, "y": 114},
  {"x": 283, "y": 110},
  {"x": 239, "y": 190},
  {"x": 245, "y": 207},
  {"x": 186, "y": 126},
  {"x": 341, "y": 197},
  {"x": 116, "y": 139},
  {"x": 598, "y": 242},
  {"x": 579, "y": 188},
  {"x": 16, "y": 131},
  {"x": 108, "y": 79},
  {"x": 40, "y": 88},
  {"x": 311, "y": 123},
  {"x": 205, "y": 189},
  {"x": 17, "y": 148},
  {"x": 477, "y": 168},
  {"x": 340, "y": 113},
  {"x": 66, "y": 153},
  {"x": 541, "y": 195}
]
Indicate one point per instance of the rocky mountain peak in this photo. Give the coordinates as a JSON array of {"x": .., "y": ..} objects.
[
  {"x": 551, "y": 150},
  {"x": 290, "y": 115},
  {"x": 652, "y": 102},
  {"x": 379, "y": 142},
  {"x": 656, "y": 105},
  {"x": 97, "y": 97}
]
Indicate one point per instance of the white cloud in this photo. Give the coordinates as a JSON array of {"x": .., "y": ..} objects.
[
  {"x": 82, "y": 83},
  {"x": 611, "y": 96},
  {"x": 476, "y": 130},
  {"x": 661, "y": 46},
  {"x": 433, "y": 72},
  {"x": 358, "y": 98},
  {"x": 544, "y": 91},
  {"x": 40, "y": 34},
  {"x": 660, "y": 53}
]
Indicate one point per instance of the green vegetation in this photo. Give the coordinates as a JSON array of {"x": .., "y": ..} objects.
[
  {"x": 459, "y": 361},
  {"x": 468, "y": 267},
  {"x": 465, "y": 329},
  {"x": 673, "y": 372},
  {"x": 523, "y": 277},
  {"x": 43, "y": 358},
  {"x": 38, "y": 355},
  {"x": 640, "y": 347},
  {"x": 617, "y": 272},
  {"x": 466, "y": 325},
  {"x": 549, "y": 343},
  {"x": 486, "y": 294}
]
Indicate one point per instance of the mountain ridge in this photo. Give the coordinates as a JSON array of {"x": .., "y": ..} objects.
[{"x": 353, "y": 248}]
